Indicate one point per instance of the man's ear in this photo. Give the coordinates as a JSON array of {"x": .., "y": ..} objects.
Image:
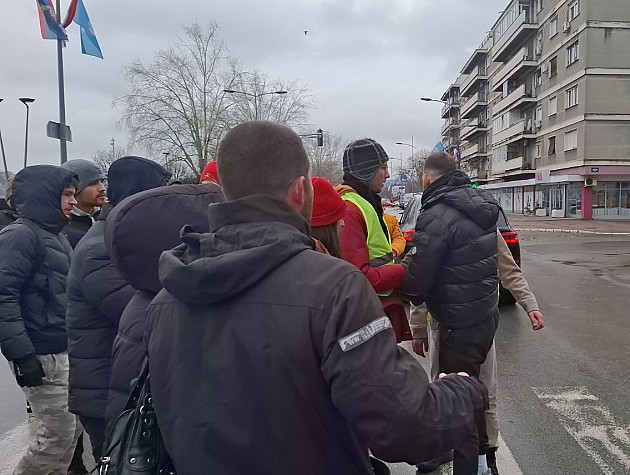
[{"x": 296, "y": 194}]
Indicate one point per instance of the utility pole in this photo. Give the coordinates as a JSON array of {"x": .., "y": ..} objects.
[{"x": 63, "y": 148}]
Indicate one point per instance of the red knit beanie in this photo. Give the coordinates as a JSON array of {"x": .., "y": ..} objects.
[
  {"x": 328, "y": 207},
  {"x": 210, "y": 172}
]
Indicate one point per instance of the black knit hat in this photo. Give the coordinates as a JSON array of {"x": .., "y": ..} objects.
[{"x": 363, "y": 158}]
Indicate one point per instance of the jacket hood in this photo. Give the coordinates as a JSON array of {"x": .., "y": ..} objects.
[
  {"x": 248, "y": 239},
  {"x": 146, "y": 224},
  {"x": 37, "y": 194},
  {"x": 131, "y": 175},
  {"x": 454, "y": 189}
]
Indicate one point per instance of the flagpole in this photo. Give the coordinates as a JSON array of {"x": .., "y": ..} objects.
[{"x": 63, "y": 149}]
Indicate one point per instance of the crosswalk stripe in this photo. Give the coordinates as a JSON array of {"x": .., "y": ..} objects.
[{"x": 592, "y": 426}]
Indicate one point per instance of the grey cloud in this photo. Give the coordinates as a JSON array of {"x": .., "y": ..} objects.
[{"x": 367, "y": 62}]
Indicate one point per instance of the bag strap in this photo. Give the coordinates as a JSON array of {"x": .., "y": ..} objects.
[
  {"x": 40, "y": 246},
  {"x": 138, "y": 385}
]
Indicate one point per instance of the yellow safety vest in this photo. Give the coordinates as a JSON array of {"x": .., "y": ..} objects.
[{"x": 379, "y": 246}]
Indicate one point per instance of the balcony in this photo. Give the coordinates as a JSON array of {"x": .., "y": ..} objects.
[
  {"x": 520, "y": 64},
  {"x": 472, "y": 129},
  {"x": 516, "y": 34},
  {"x": 519, "y": 98},
  {"x": 452, "y": 104},
  {"x": 453, "y": 87},
  {"x": 512, "y": 133},
  {"x": 506, "y": 166},
  {"x": 473, "y": 80},
  {"x": 473, "y": 105},
  {"x": 449, "y": 124},
  {"x": 473, "y": 151}
]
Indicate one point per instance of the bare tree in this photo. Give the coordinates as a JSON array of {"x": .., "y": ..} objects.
[
  {"x": 104, "y": 158},
  {"x": 258, "y": 98},
  {"x": 326, "y": 161},
  {"x": 177, "y": 104},
  {"x": 415, "y": 168}
]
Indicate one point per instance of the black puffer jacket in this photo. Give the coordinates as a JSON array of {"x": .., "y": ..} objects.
[
  {"x": 97, "y": 296},
  {"x": 137, "y": 232},
  {"x": 453, "y": 265},
  {"x": 268, "y": 357},
  {"x": 32, "y": 296}
]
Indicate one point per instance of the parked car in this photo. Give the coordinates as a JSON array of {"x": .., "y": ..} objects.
[{"x": 408, "y": 228}]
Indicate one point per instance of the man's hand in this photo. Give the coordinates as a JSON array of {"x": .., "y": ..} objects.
[
  {"x": 29, "y": 372},
  {"x": 537, "y": 320},
  {"x": 420, "y": 346}
]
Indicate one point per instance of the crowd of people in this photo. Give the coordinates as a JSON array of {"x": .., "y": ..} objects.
[{"x": 268, "y": 305}]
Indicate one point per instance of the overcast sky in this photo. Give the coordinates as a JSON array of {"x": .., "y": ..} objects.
[{"x": 367, "y": 63}]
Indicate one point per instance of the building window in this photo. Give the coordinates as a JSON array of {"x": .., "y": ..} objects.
[
  {"x": 553, "y": 105},
  {"x": 538, "y": 151},
  {"x": 572, "y": 97},
  {"x": 552, "y": 146},
  {"x": 570, "y": 140},
  {"x": 539, "y": 113},
  {"x": 574, "y": 9},
  {"x": 553, "y": 27},
  {"x": 573, "y": 53},
  {"x": 553, "y": 66},
  {"x": 538, "y": 43},
  {"x": 538, "y": 78}
]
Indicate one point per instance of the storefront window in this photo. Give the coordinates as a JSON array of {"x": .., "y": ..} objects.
[
  {"x": 611, "y": 199},
  {"x": 574, "y": 200}
]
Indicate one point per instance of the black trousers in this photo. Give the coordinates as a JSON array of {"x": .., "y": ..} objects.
[
  {"x": 465, "y": 349},
  {"x": 95, "y": 428}
]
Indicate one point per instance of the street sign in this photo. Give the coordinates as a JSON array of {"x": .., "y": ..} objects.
[
  {"x": 594, "y": 169},
  {"x": 55, "y": 130}
]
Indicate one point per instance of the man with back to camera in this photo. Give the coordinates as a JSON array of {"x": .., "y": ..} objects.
[
  {"x": 274, "y": 358},
  {"x": 453, "y": 268}
]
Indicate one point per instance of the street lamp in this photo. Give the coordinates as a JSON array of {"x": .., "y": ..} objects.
[
  {"x": 255, "y": 96},
  {"x": 26, "y": 101},
  {"x": 4, "y": 157}
]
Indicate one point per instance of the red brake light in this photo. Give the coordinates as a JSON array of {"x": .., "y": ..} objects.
[
  {"x": 510, "y": 237},
  {"x": 409, "y": 235}
]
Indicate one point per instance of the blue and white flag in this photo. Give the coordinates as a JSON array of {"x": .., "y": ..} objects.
[
  {"x": 89, "y": 43},
  {"x": 439, "y": 147}
]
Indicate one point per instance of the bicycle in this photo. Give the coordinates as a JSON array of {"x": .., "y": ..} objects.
[{"x": 527, "y": 211}]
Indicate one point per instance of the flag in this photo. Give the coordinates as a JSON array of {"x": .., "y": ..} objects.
[
  {"x": 439, "y": 147},
  {"x": 89, "y": 43},
  {"x": 50, "y": 28},
  {"x": 457, "y": 153}
]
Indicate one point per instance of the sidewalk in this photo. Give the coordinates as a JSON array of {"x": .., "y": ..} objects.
[{"x": 568, "y": 225}]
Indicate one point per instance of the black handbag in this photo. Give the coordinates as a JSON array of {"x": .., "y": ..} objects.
[{"x": 134, "y": 445}]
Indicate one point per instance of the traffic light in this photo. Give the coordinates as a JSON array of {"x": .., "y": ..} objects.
[{"x": 320, "y": 138}]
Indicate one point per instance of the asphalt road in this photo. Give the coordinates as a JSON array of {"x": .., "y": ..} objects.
[{"x": 563, "y": 398}]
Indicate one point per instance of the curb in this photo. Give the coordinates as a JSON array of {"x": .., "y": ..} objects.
[{"x": 572, "y": 231}]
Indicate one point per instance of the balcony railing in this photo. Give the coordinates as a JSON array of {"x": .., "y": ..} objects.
[
  {"x": 520, "y": 29},
  {"x": 514, "y": 99},
  {"x": 479, "y": 98},
  {"x": 521, "y": 61},
  {"x": 511, "y": 164},
  {"x": 452, "y": 103},
  {"x": 514, "y": 132},
  {"x": 478, "y": 74},
  {"x": 472, "y": 127}
]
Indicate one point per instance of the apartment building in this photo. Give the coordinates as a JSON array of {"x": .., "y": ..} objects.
[{"x": 541, "y": 110}]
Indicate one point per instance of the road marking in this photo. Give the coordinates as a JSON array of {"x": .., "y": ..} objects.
[{"x": 592, "y": 426}]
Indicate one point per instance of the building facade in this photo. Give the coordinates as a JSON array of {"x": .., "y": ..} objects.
[{"x": 542, "y": 115}]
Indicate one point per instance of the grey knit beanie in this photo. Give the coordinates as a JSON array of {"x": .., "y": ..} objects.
[
  {"x": 363, "y": 158},
  {"x": 87, "y": 171}
]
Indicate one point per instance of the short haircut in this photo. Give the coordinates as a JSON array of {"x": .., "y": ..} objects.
[
  {"x": 439, "y": 164},
  {"x": 260, "y": 158}
]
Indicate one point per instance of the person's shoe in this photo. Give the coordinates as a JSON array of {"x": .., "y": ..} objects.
[
  {"x": 491, "y": 459},
  {"x": 433, "y": 465}
]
